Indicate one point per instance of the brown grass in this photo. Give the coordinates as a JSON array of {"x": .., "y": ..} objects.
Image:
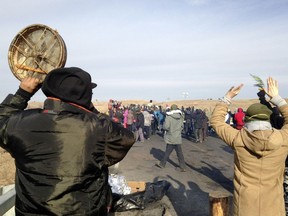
[
  {"x": 102, "y": 106},
  {"x": 198, "y": 104}
]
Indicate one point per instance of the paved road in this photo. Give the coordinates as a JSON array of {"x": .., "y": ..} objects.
[{"x": 209, "y": 170}]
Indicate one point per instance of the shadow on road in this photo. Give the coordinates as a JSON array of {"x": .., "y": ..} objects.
[
  {"x": 187, "y": 201},
  {"x": 227, "y": 148},
  {"x": 214, "y": 174},
  {"x": 159, "y": 154}
]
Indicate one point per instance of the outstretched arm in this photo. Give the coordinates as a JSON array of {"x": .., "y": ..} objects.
[
  {"x": 14, "y": 104},
  {"x": 217, "y": 120}
]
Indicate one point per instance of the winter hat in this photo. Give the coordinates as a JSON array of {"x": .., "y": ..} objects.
[
  {"x": 174, "y": 107},
  {"x": 258, "y": 112},
  {"x": 137, "y": 109},
  {"x": 69, "y": 84}
]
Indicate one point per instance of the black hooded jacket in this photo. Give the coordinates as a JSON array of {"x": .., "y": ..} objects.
[{"x": 62, "y": 153}]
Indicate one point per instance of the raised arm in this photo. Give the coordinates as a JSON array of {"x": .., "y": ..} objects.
[
  {"x": 217, "y": 120},
  {"x": 16, "y": 103}
]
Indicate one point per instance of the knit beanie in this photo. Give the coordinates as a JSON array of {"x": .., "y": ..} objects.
[
  {"x": 258, "y": 112},
  {"x": 174, "y": 107},
  {"x": 70, "y": 85}
]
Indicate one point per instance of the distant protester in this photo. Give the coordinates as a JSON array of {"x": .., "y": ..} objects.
[
  {"x": 139, "y": 124},
  {"x": 173, "y": 126},
  {"x": 200, "y": 124},
  {"x": 147, "y": 124},
  {"x": 239, "y": 118}
]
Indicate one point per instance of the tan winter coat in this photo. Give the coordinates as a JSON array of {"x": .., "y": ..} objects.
[{"x": 259, "y": 162}]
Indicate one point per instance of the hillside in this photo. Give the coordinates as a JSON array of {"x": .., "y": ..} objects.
[
  {"x": 102, "y": 106},
  {"x": 198, "y": 104}
]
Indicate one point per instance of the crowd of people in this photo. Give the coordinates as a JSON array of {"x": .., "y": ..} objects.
[
  {"x": 148, "y": 119},
  {"x": 63, "y": 151}
]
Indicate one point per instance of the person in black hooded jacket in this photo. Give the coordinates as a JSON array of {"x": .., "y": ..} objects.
[{"x": 62, "y": 152}]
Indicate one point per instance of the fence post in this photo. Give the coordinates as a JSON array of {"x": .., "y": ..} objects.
[{"x": 219, "y": 204}]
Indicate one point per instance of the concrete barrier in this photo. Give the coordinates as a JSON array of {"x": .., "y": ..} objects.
[{"x": 7, "y": 200}]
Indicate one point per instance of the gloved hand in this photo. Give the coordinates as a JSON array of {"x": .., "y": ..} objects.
[{"x": 261, "y": 94}]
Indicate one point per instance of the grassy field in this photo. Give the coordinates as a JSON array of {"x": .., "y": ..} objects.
[{"x": 198, "y": 104}]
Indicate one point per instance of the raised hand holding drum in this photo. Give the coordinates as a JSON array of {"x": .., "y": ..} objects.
[{"x": 35, "y": 51}]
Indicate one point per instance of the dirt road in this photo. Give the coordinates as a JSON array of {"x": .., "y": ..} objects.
[{"x": 209, "y": 170}]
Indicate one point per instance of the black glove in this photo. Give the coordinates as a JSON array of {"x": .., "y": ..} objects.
[{"x": 261, "y": 94}]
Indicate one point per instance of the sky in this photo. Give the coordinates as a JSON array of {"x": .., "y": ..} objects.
[{"x": 159, "y": 49}]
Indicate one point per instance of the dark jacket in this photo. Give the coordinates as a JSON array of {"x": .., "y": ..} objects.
[
  {"x": 62, "y": 154},
  {"x": 139, "y": 120},
  {"x": 188, "y": 115},
  {"x": 199, "y": 117}
]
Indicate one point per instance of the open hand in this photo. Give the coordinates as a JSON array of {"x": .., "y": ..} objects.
[
  {"x": 233, "y": 91},
  {"x": 272, "y": 87}
]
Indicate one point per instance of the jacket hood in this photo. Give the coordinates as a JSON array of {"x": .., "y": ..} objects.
[
  {"x": 262, "y": 142},
  {"x": 176, "y": 114}
]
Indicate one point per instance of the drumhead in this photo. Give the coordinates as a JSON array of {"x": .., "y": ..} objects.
[{"x": 35, "y": 51}]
